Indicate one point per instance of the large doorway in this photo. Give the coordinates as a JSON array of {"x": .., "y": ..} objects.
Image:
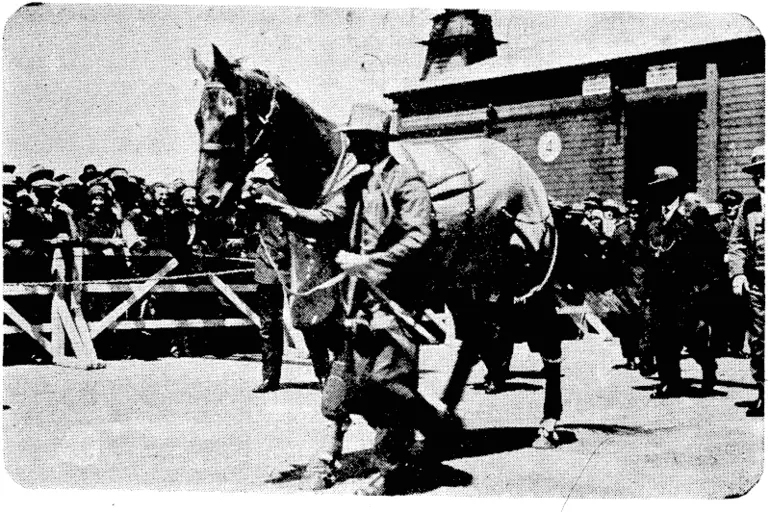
[{"x": 661, "y": 132}]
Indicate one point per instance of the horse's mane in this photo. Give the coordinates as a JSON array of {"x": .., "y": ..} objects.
[{"x": 296, "y": 120}]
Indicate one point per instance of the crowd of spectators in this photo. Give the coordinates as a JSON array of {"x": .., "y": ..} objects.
[
  {"x": 602, "y": 267},
  {"x": 128, "y": 228},
  {"x": 113, "y": 213}
]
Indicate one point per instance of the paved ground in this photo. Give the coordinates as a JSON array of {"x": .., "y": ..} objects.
[{"x": 193, "y": 424}]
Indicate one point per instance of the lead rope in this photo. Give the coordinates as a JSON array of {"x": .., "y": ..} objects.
[{"x": 288, "y": 289}]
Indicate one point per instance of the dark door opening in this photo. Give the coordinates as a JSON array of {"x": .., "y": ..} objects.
[{"x": 661, "y": 132}]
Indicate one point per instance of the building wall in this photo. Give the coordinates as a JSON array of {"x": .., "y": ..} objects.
[
  {"x": 741, "y": 128},
  {"x": 593, "y": 154},
  {"x": 591, "y": 160}
]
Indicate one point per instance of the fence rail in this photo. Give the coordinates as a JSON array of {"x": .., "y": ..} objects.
[{"x": 67, "y": 320}]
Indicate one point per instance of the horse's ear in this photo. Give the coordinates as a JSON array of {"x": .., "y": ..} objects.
[
  {"x": 223, "y": 68},
  {"x": 221, "y": 63},
  {"x": 202, "y": 68}
]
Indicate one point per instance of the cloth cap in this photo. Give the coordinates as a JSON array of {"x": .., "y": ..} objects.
[
  {"x": 368, "y": 118},
  {"x": 757, "y": 164},
  {"x": 116, "y": 172},
  {"x": 41, "y": 177},
  {"x": 664, "y": 174},
  {"x": 730, "y": 198},
  {"x": 101, "y": 186},
  {"x": 610, "y": 204}
]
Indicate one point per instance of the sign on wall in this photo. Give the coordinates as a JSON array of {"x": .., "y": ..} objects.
[
  {"x": 658, "y": 76},
  {"x": 596, "y": 84},
  {"x": 549, "y": 146}
]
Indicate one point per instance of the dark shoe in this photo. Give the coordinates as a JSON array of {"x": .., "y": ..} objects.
[
  {"x": 756, "y": 409},
  {"x": 492, "y": 388},
  {"x": 646, "y": 370},
  {"x": 266, "y": 387},
  {"x": 321, "y": 475},
  {"x": 668, "y": 391}
]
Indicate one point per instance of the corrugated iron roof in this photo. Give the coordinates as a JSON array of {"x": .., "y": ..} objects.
[{"x": 539, "y": 41}]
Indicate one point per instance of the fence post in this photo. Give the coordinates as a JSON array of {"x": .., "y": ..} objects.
[
  {"x": 57, "y": 328},
  {"x": 76, "y": 297}
]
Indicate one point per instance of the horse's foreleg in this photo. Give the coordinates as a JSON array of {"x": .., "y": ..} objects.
[{"x": 552, "y": 404}]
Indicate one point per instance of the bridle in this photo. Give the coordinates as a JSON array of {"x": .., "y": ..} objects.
[{"x": 249, "y": 148}]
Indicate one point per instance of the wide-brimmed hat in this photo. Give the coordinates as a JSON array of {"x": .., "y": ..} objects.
[
  {"x": 664, "y": 174},
  {"x": 41, "y": 177},
  {"x": 90, "y": 173},
  {"x": 757, "y": 164},
  {"x": 367, "y": 118}
]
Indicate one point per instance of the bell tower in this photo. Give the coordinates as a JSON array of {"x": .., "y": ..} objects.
[{"x": 459, "y": 38}]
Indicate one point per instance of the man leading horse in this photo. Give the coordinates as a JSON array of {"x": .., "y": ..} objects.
[{"x": 386, "y": 259}]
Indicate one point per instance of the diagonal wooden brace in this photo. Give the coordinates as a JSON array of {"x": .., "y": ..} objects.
[
  {"x": 237, "y": 302},
  {"x": 139, "y": 292},
  {"x": 32, "y": 331}
]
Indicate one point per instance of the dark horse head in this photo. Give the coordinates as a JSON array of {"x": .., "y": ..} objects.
[{"x": 245, "y": 114}]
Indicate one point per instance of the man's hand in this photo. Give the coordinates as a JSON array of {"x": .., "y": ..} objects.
[
  {"x": 353, "y": 263},
  {"x": 362, "y": 265},
  {"x": 60, "y": 239},
  {"x": 740, "y": 283},
  {"x": 276, "y": 207}
]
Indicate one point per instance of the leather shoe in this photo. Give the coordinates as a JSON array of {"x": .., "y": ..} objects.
[
  {"x": 266, "y": 387},
  {"x": 492, "y": 388},
  {"x": 756, "y": 409}
]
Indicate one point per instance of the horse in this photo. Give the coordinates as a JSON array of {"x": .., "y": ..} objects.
[{"x": 496, "y": 241}]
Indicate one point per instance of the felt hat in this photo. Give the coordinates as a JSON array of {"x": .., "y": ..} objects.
[
  {"x": 367, "y": 118},
  {"x": 757, "y": 164},
  {"x": 89, "y": 173},
  {"x": 41, "y": 177},
  {"x": 664, "y": 174}
]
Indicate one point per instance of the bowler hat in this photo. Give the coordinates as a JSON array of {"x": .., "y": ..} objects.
[
  {"x": 367, "y": 118},
  {"x": 664, "y": 174},
  {"x": 757, "y": 164}
]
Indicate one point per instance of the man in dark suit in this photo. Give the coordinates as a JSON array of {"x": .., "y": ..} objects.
[
  {"x": 746, "y": 259},
  {"x": 730, "y": 320},
  {"x": 676, "y": 271}
]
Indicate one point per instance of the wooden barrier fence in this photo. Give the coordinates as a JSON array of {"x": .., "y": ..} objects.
[{"x": 68, "y": 321}]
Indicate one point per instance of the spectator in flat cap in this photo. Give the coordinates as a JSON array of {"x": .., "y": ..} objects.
[
  {"x": 45, "y": 224},
  {"x": 746, "y": 260},
  {"x": 592, "y": 201},
  {"x": 730, "y": 200},
  {"x": 730, "y": 321},
  {"x": 72, "y": 193},
  {"x": 611, "y": 216},
  {"x": 127, "y": 191}
]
